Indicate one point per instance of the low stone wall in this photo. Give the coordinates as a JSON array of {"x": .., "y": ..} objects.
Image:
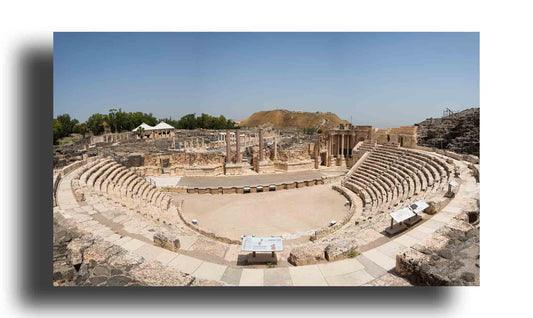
[
  {"x": 294, "y": 166},
  {"x": 465, "y": 157},
  {"x": 186, "y": 171},
  {"x": 327, "y": 230},
  {"x": 193, "y": 171},
  {"x": 57, "y": 178},
  {"x": 251, "y": 189},
  {"x": 475, "y": 171},
  {"x": 236, "y": 169},
  {"x": 264, "y": 166}
]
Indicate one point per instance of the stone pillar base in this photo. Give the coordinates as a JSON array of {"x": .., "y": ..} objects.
[{"x": 341, "y": 161}]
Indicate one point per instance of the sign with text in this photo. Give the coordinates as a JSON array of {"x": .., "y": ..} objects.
[{"x": 262, "y": 244}]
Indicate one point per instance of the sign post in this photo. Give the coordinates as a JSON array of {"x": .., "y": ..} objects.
[{"x": 256, "y": 244}]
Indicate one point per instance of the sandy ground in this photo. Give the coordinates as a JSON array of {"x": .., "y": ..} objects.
[{"x": 263, "y": 214}]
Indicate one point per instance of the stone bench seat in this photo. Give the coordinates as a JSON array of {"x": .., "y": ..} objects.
[
  {"x": 428, "y": 160},
  {"x": 385, "y": 178},
  {"x": 96, "y": 174},
  {"x": 384, "y": 165},
  {"x": 362, "y": 193},
  {"x": 372, "y": 166},
  {"x": 101, "y": 179},
  {"x": 425, "y": 167},
  {"x": 418, "y": 177},
  {"x": 385, "y": 155},
  {"x": 85, "y": 176},
  {"x": 110, "y": 177},
  {"x": 400, "y": 184},
  {"x": 407, "y": 179}
]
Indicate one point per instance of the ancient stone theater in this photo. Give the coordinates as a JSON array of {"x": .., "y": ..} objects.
[{"x": 353, "y": 205}]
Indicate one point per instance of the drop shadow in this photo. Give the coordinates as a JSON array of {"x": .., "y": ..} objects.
[{"x": 36, "y": 236}]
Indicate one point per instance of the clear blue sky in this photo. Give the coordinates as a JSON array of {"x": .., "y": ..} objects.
[{"x": 380, "y": 79}]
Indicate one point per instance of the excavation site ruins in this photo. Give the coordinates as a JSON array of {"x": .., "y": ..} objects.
[{"x": 264, "y": 206}]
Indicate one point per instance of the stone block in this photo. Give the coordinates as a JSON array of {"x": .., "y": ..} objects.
[
  {"x": 306, "y": 254},
  {"x": 167, "y": 240},
  {"x": 341, "y": 249}
]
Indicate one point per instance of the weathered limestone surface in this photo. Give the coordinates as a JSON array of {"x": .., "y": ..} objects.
[
  {"x": 457, "y": 132},
  {"x": 81, "y": 259},
  {"x": 449, "y": 258},
  {"x": 307, "y": 254},
  {"x": 341, "y": 249},
  {"x": 167, "y": 240}
]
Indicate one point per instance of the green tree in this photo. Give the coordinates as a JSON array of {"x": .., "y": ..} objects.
[
  {"x": 57, "y": 130},
  {"x": 67, "y": 125},
  {"x": 81, "y": 129},
  {"x": 188, "y": 122},
  {"x": 95, "y": 123},
  {"x": 112, "y": 120}
]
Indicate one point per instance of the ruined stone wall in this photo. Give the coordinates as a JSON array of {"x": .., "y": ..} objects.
[
  {"x": 294, "y": 154},
  {"x": 458, "y": 132},
  {"x": 404, "y": 136},
  {"x": 185, "y": 159},
  {"x": 449, "y": 258},
  {"x": 184, "y": 164}
]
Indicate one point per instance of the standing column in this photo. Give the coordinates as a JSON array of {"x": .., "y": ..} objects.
[
  {"x": 276, "y": 145},
  {"x": 238, "y": 158},
  {"x": 228, "y": 147},
  {"x": 317, "y": 151},
  {"x": 260, "y": 144},
  {"x": 347, "y": 145},
  {"x": 342, "y": 145},
  {"x": 337, "y": 145},
  {"x": 328, "y": 152}
]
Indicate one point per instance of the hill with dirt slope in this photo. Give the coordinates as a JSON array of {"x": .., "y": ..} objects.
[
  {"x": 458, "y": 132},
  {"x": 281, "y": 118}
]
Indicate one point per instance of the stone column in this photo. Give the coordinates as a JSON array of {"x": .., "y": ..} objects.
[
  {"x": 317, "y": 152},
  {"x": 228, "y": 147},
  {"x": 238, "y": 158},
  {"x": 330, "y": 150},
  {"x": 327, "y": 150},
  {"x": 336, "y": 141},
  {"x": 276, "y": 145},
  {"x": 260, "y": 144},
  {"x": 342, "y": 146}
]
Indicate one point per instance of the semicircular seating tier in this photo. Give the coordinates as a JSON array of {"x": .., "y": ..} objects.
[
  {"x": 113, "y": 181},
  {"x": 386, "y": 176}
]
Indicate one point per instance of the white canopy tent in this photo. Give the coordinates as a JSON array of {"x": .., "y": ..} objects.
[
  {"x": 163, "y": 125},
  {"x": 161, "y": 130},
  {"x": 144, "y": 126}
]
